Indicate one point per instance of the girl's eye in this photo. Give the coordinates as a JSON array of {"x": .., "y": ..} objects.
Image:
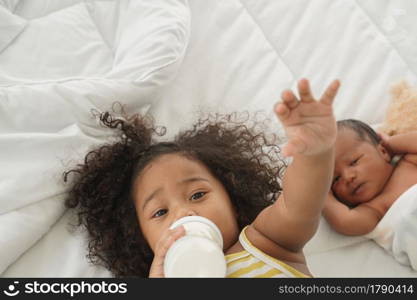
[
  {"x": 197, "y": 195},
  {"x": 160, "y": 213}
]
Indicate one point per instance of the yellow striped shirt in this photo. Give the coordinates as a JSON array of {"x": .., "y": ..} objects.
[{"x": 254, "y": 263}]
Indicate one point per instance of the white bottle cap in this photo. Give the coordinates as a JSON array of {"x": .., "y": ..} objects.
[{"x": 199, "y": 253}]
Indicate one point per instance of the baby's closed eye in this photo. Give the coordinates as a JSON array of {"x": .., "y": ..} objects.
[{"x": 355, "y": 161}]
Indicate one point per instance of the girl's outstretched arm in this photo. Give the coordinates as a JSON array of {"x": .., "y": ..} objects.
[{"x": 311, "y": 129}]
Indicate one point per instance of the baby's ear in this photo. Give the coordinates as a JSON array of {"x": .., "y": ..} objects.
[{"x": 384, "y": 152}]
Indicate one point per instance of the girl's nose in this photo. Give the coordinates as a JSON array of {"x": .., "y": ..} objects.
[
  {"x": 184, "y": 212},
  {"x": 191, "y": 213}
]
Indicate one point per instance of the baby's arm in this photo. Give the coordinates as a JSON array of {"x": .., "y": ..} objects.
[
  {"x": 350, "y": 221},
  {"x": 401, "y": 143},
  {"x": 311, "y": 128}
]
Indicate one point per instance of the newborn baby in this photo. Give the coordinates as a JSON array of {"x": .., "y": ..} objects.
[{"x": 370, "y": 174}]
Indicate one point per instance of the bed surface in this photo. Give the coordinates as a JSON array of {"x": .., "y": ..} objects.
[{"x": 202, "y": 55}]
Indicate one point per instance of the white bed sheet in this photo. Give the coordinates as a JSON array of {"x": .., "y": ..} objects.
[{"x": 241, "y": 54}]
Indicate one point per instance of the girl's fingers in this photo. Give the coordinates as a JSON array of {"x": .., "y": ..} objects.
[
  {"x": 330, "y": 93},
  {"x": 289, "y": 99},
  {"x": 282, "y": 111},
  {"x": 289, "y": 102},
  {"x": 305, "y": 91},
  {"x": 168, "y": 239},
  {"x": 164, "y": 243}
]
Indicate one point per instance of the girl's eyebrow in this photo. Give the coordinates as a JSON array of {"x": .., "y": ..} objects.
[
  {"x": 150, "y": 197},
  {"x": 158, "y": 190},
  {"x": 193, "y": 179}
]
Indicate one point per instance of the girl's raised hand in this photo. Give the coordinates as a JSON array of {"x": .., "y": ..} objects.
[{"x": 309, "y": 124}]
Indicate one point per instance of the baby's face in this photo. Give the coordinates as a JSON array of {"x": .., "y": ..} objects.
[
  {"x": 361, "y": 168},
  {"x": 173, "y": 186}
]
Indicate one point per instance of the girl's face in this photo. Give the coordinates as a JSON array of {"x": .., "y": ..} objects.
[
  {"x": 173, "y": 186},
  {"x": 361, "y": 170}
]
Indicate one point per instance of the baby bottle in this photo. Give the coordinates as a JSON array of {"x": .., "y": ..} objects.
[{"x": 197, "y": 254}]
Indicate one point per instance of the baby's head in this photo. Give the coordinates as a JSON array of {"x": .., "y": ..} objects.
[
  {"x": 362, "y": 164},
  {"x": 129, "y": 192}
]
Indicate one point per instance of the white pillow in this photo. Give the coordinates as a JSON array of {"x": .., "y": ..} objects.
[
  {"x": 152, "y": 37},
  {"x": 126, "y": 40}
]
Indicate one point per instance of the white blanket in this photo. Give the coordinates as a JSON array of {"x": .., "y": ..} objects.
[
  {"x": 397, "y": 230},
  {"x": 59, "y": 60},
  {"x": 176, "y": 57}
]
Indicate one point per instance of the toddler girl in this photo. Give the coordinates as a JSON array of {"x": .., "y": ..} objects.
[{"x": 129, "y": 192}]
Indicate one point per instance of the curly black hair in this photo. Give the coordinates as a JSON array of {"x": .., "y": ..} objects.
[{"x": 245, "y": 159}]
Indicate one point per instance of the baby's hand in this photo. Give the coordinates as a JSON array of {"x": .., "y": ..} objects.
[
  {"x": 309, "y": 124},
  {"x": 385, "y": 142},
  {"x": 161, "y": 249}
]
